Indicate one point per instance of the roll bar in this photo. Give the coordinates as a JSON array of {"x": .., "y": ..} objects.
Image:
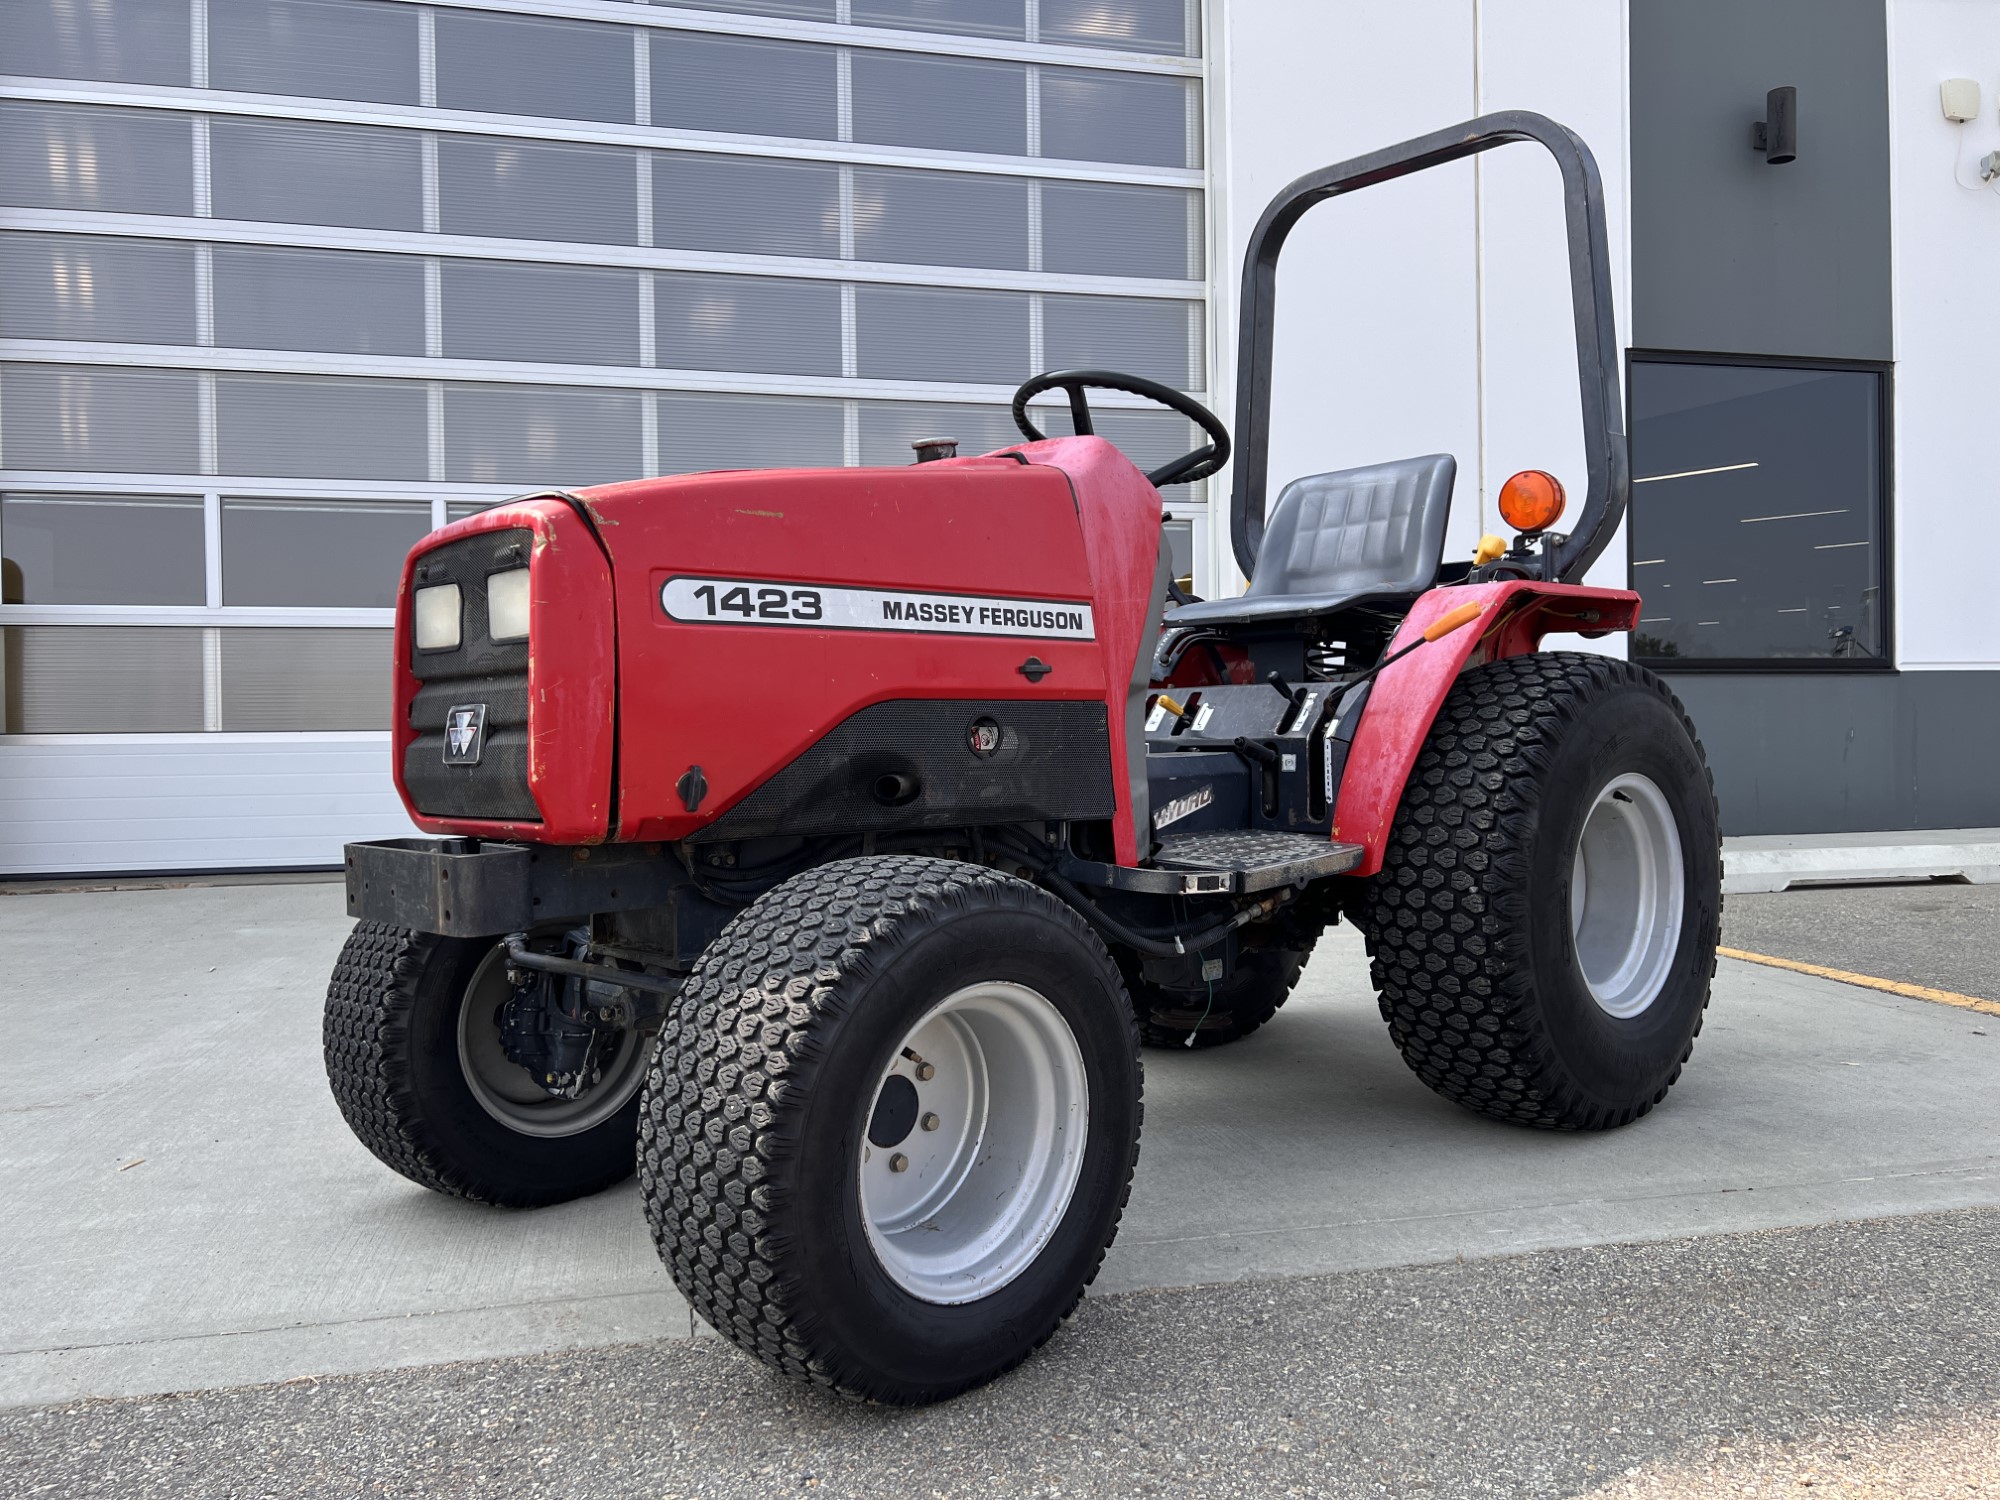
[{"x": 1608, "y": 469}]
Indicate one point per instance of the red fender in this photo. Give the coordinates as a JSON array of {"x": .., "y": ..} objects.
[{"x": 1406, "y": 697}]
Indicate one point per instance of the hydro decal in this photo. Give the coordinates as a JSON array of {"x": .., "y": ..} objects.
[
  {"x": 1184, "y": 807},
  {"x": 744, "y": 601}
]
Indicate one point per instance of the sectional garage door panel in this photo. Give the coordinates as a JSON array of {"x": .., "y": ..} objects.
[
  {"x": 423, "y": 257},
  {"x": 198, "y": 802}
]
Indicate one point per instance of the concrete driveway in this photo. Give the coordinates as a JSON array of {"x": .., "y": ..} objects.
[{"x": 186, "y": 1208}]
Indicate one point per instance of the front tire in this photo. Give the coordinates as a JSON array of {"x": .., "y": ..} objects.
[
  {"x": 413, "y": 1056},
  {"x": 891, "y": 1125},
  {"x": 1543, "y": 930}
]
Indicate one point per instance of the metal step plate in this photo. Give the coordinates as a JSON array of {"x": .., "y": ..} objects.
[{"x": 1245, "y": 860}]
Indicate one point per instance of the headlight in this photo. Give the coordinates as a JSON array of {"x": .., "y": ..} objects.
[
  {"x": 437, "y": 617},
  {"x": 507, "y": 605}
]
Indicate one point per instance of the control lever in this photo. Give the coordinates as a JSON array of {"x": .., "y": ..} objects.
[
  {"x": 1258, "y": 751},
  {"x": 1268, "y": 759},
  {"x": 1296, "y": 696},
  {"x": 1174, "y": 707}
]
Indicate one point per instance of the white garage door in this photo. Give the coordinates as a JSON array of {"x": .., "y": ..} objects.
[{"x": 285, "y": 283}]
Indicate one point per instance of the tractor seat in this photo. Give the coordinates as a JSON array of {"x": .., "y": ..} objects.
[{"x": 1357, "y": 536}]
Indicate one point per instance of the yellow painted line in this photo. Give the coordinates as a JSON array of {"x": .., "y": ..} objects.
[{"x": 1869, "y": 981}]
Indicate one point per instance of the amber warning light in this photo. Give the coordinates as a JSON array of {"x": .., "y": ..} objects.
[{"x": 1531, "y": 501}]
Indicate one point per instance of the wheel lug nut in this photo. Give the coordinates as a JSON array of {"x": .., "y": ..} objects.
[
  {"x": 925, "y": 1072},
  {"x": 930, "y": 1122},
  {"x": 899, "y": 1163}
]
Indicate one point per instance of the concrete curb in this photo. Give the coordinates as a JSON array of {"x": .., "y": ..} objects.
[{"x": 1773, "y": 862}]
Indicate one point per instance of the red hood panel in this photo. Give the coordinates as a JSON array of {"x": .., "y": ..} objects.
[{"x": 742, "y": 694}]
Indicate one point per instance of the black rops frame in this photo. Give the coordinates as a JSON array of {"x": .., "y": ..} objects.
[{"x": 1606, "y": 462}]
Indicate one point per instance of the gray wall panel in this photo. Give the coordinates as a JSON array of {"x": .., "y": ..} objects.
[
  {"x": 1839, "y": 753},
  {"x": 1730, "y": 253}
]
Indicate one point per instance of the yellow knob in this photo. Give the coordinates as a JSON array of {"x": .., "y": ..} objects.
[
  {"x": 1489, "y": 548},
  {"x": 1172, "y": 707}
]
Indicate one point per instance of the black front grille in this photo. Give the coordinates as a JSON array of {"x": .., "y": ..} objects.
[{"x": 478, "y": 670}]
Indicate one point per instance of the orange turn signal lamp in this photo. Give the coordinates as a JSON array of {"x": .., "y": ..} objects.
[{"x": 1532, "y": 501}]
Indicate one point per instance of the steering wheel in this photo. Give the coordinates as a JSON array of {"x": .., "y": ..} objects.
[{"x": 1199, "y": 464}]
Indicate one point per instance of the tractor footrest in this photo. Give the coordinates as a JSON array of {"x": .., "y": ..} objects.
[{"x": 1245, "y": 860}]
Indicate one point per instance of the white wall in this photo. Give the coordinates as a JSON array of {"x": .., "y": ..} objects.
[
  {"x": 1380, "y": 298},
  {"x": 77, "y": 804},
  {"x": 1947, "y": 254}
]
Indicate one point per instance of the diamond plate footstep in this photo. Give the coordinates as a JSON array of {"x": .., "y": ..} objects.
[{"x": 1257, "y": 859}]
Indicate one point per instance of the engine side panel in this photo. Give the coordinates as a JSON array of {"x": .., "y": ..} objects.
[
  {"x": 1405, "y": 698},
  {"x": 905, "y": 764},
  {"x": 859, "y": 586}
]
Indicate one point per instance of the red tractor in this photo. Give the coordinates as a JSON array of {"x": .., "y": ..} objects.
[{"x": 837, "y": 836}]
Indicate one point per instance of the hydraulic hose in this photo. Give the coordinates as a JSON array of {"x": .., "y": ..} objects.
[
  {"x": 522, "y": 956},
  {"x": 1193, "y": 942}
]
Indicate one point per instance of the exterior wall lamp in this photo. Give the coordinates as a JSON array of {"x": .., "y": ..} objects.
[{"x": 1777, "y": 134}]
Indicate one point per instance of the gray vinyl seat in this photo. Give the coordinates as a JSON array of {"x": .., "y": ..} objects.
[{"x": 1357, "y": 536}]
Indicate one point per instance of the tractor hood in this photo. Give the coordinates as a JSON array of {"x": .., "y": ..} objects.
[
  {"x": 759, "y": 611},
  {"x": 728, "y": 637}
]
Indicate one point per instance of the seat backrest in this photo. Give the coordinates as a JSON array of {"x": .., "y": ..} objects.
[{"x": 1378, "y": 530}]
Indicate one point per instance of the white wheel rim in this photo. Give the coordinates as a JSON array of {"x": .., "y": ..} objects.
[
  {"x": 963, "y": 1202},
  {"x": 504, "y": 1089},
  {"x": 1627, "y": 891}
]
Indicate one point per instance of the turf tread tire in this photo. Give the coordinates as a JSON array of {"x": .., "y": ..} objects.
[
  {"x": 366, "y": 1032},
  {"x": 372, "y": 1039},
  {"x": 1446, "y": 921},
  {"x": 745, "y": 1037}
]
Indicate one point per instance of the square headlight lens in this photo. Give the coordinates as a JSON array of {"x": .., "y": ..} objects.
[
  {"x": 507, "y": 605},
  {"x": 438, "y": 616}
]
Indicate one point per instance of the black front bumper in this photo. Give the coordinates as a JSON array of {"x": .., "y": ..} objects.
[{"x": 461, "y": 887}]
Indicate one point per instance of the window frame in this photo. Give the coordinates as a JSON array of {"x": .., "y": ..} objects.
[{"x": 1884, "y": 371}]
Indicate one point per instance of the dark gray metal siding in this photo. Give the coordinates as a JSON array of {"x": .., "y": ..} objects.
[
  {"x": 1827, "y": 752},
  {"x": 1729, "y": 253}
]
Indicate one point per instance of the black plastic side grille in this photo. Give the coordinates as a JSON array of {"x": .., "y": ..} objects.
[
  {"x": 910, "y": 763},
  {"x": 480, "y": 670}
]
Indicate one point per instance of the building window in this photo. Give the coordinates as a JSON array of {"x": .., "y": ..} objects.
[{"x": 1758, "y": 526}]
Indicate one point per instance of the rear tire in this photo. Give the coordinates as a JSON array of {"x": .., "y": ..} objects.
[
  {"x": 789, "y": 1082},
  {"x": 1516, "y": 981},
  {"x": 407, "y": 1015},
  {"x": 1263, "y": 980}
]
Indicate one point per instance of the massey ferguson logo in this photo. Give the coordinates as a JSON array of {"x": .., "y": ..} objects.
[
  {"x": 983, "y": 738},
  {"x": 464, "y": 734},
  {"x": 1182, "y": 807}
]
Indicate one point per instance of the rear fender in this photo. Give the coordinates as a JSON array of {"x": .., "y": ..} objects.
[{"x": 1406, "y": 697}]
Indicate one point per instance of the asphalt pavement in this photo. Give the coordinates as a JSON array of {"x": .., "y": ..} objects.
[
  {"x": 1935, "y": 933},
  {"x": 1329, "y": 1281},
  {"x": 1550, "y": 1374}
]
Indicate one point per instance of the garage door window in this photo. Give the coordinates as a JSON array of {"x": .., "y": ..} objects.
[{"x": 302, "y": 278}]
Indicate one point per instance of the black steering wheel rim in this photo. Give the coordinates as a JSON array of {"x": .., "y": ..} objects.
[{"x": 1197, "y": 464}]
